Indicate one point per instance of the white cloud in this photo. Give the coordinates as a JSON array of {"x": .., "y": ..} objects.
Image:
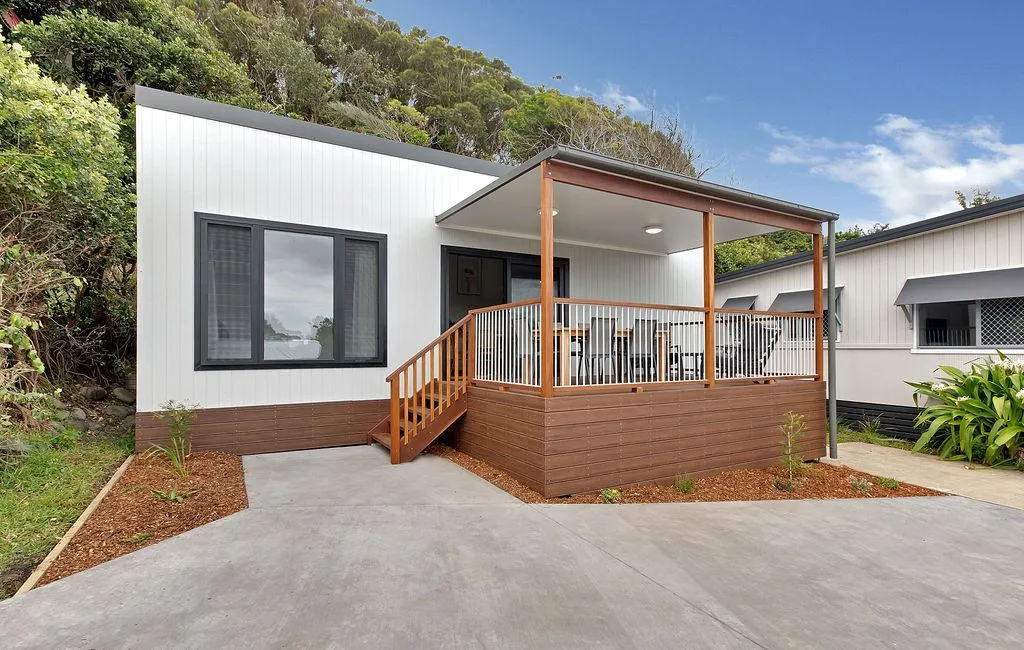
[
  {"x": 715, "y": 99},
  {"x": 613, "y": 96},
  {"x": 912, "y": 168}
]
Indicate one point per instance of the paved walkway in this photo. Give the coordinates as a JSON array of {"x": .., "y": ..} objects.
[
  {"x": 1000, "y": 486},
  {"x": 339, "y": 549}
]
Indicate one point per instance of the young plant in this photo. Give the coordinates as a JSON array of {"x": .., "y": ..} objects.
[
  {"x": 611, "y": 495},
  {"x": 179, "y": 447},
  {"x": 138, "y": 538},
  {"x": 792, "y": 430},
  {"x": 173, "y": 496},
  {"x": 685, "y": 484},
  {"x": 889, "y": 483},
  {"x": 781, "y": 483},
  {"x": 860, "y": 484},
  {"x": 975, "y": 414}
]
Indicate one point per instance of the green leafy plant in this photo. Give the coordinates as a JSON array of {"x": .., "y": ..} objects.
[
  {"x": 685, "y": 484},
  {"x": 860, "y": 484},
  {"x": 784, "y": 484},
  {"x": 178, "y": 417},
  {"x": 173, "y": 496},
  {"x": 889, "y": 483},
  {"x": 871, "y": 427},
  {"x": 977, "y": 414},
  {"x": 138, "y": 538},
  {"x": 611, "y": 495},
  {"x": 792, "y": 430}
]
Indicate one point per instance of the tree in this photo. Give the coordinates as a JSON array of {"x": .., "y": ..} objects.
[
  {"x": 739, "y": 254},
  {"x": 65, "y": 198},
  {"x": 979, "y": 198}
]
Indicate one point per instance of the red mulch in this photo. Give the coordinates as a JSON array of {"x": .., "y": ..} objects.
[
  {"x": 818, "y": 481},
  {"x": 131, "y": 517}
]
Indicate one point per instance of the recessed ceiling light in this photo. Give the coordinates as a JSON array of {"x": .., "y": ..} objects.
[
  {"x": 653, "y": 230},
  {"x": 554, "y": 212}
]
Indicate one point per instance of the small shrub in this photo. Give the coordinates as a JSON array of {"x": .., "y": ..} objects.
[
  {"x": 792, "y": 430},
  {"x": 685, "y": 484},
  {"x": 889, "y": 483},
  {"x": 178, "y": 417},
  {"x": 814, "y": 470},
  {"x": 611, "y": 495},
  {"x": 138, "y": 538},
  {"x": 173, "y": 496},
  {"x": 871, "y": 427},
  {"x": 860, "y": 484},
  {"x": 784, "y": 484}
]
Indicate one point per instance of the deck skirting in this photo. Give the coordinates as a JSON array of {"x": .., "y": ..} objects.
[{"x": 574, "y": 443}]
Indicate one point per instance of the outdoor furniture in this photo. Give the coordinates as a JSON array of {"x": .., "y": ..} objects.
[
  {"x": 520, "y": 348},
  {"x": 642, "y": 350},
  {"x": 749, "y": 355},
  {"x": 598, "y": 345}
]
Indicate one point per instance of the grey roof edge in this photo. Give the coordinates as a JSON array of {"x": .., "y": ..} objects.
[
  {"x": 642, "y": 172},
  {"x": 228, "y": 114},
  {"x": 910, "y": 230}
]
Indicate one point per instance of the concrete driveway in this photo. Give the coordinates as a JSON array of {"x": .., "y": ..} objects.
[{"x": 340, "y": 549}]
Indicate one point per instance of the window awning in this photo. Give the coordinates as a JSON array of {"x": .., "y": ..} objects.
[
  {"x": 801, "y": 301},
  {"x": 739, "y": 302},
  {"x": 976, "y": 285}
]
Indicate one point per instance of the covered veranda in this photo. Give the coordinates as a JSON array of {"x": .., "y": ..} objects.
[{"x": 571, "y": 393}]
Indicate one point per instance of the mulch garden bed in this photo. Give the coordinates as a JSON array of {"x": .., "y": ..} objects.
[
  {"x": 818, "y": 481},
  {"x": 131, "y": 516}
]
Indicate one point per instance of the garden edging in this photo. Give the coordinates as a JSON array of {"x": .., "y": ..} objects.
[{"x": 40, "y": 570}]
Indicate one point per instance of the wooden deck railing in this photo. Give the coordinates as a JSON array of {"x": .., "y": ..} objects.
[
  {"x": 428, "y": 383},
  {"x": 602, "y": 344}
]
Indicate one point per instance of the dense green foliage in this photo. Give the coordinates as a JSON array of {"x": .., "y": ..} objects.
[
  {"x": 735, "y": 255},
  {"x": 976, "y": 414}
]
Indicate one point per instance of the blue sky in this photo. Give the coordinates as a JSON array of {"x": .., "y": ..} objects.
[{"x": 876, "y": 110}]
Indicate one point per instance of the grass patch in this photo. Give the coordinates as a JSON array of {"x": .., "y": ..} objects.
[
  {"x": 889, "y": 483},
  {"x": 43, "y": 493},
  {"x": 869, "y": 431},
  {"x": 685, "y": 484}
]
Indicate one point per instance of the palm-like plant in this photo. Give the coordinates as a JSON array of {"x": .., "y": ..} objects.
[{"x": 974, "y": 414}]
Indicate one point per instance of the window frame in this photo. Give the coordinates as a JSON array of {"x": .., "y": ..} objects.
[
  {"x": 257, "y": 227},
  {"x": 979, "y": 348}
]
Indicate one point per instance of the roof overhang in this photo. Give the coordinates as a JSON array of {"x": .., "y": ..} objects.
[
  {"x": 739, "y": 302},
  {"x": 953, "y": 287},
  {"x": 801, "y": 301},
  {"x": 609, "y": 203}
]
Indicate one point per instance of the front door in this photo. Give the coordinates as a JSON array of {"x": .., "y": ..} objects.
[{"x": 475, "y": 278}]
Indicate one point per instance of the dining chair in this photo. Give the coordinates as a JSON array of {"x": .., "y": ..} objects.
[
  {"x": 521, "y": 348},
  {"x": 642, "y": 349},
  {"x": 599, "y": 346},
  {"x": 750, "y": 357}
]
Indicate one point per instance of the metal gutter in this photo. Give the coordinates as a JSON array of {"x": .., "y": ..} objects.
[{"x": 205, "y": 109}]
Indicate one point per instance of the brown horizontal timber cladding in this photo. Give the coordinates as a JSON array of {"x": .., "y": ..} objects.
[
  {"x": 575, "y": 443},
  {"x": 263, "y": 429}
]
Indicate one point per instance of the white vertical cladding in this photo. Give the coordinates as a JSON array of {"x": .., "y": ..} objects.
[
  {"x": 188, "y": 165},
  {"x": 876, "y": 337}
]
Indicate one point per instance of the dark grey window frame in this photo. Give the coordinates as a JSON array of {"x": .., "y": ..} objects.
[{"x": 257, "y": 227}]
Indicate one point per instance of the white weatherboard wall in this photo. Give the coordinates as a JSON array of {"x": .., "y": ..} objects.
[
  {"x": 874, "y": 354},
  {"x": 187, "y": 164}
]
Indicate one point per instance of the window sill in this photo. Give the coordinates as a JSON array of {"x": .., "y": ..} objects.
[
  {"x": 290, "y": 365},
  {"x": 965, "y": 350}
]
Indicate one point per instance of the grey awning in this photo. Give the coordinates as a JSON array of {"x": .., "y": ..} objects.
[
  {"x": 801, "y": 301},
  {"x": 977, "y": 285},
  {"x": 739, "y": 302}
]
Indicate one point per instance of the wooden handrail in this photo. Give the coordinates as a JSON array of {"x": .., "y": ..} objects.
[
  {"x": 507, "y": 305},
  {"x": 791, "y": 314},
  {"x": 614, "y": 303}
]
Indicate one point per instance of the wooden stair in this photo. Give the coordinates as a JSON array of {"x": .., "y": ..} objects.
[{"x": 428, "y": 394}]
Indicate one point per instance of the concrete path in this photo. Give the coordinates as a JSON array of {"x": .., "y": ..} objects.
[
  {"x": 1000, "y": 486},
  {"x": 339, "y": 549}
]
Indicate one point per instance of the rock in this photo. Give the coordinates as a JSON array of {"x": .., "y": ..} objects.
[
  {"x": 128, "y": 422},
  {"x": 55, "y": 403},
  {"x": 118, "y": 411},
  {"x": 61, "y": 415},
  {"x": 14, "y": 446},
  {"x": 78, "y": 414},
  {"x": 94, "y": 393},
  {"x": 83, "y": 424},
  {"x": 123, "y": 395}
]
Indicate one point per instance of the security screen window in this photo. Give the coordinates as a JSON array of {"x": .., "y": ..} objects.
[{"x": 270, "y": 295}]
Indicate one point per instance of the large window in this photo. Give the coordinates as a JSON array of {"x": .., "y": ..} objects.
[
  {"x": 990, "y": 323},
  {"x": 275, "y": 295}
]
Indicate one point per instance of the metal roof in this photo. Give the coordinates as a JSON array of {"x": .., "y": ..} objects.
[
  {"x": 739, "y": 302},
  {"x": 205, "y": 109},
  {"x": 801, "y": 301},
  {"x": 644, "y": 173},
  {"x": 885, "y": 236},
  {"x": 975, "y": 285}
]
